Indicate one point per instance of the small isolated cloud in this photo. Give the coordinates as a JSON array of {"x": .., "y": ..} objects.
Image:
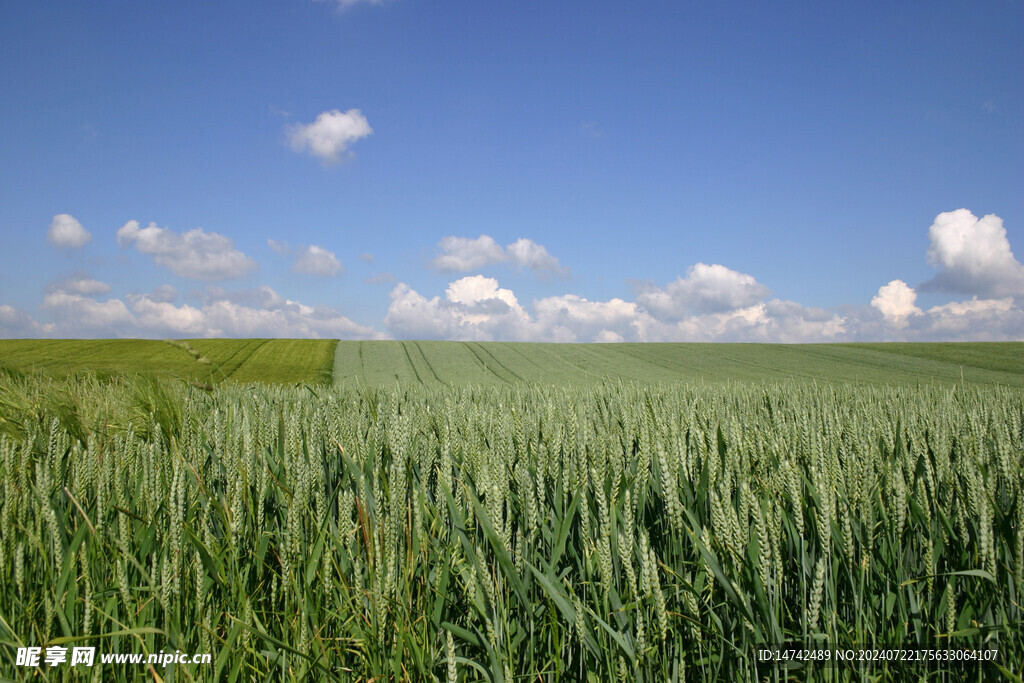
[
  {"x": 195, "y": 254},
  {"x": 66, "y": 232},
  {"x": 705, "y": 289},
  {"x": 330, "y": 135},
  {"x": 463, "y": 254},
  {"x": 79, "y": 283},
  {"x": 895, "y": 301},
  {"x": 366, "y": 257},
  {"x": 315, "y": 260},
  {"x": 973, "y": 256},
  {"x": 277, "y": 247},
  {"x": 379, "y": 279}
]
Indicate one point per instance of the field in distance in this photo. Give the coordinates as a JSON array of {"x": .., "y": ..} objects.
[
  {"x": 436, "y": 363},
  {"x": 273, "y": 361}
]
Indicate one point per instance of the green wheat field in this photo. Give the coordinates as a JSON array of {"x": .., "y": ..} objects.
[{"x": 448, "y": 511}]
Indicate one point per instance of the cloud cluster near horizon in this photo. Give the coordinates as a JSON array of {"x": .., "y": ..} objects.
[{"x": 711, "y": 302}]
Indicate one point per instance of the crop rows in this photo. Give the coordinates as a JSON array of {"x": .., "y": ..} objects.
[
  {"x": 510, "y": 533},
  {"x": 437, "y": 364},
  {"x": 208, "y": 361}
]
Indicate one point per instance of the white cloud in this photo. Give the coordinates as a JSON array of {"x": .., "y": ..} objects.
[
  {"x": 66, "y": 232},
  {"x": 774, "y": 321},
  {"x": 462, "y": 254},
  {"x": 163, "y": 318},
  {"x": 279, "y": 247},
  {"x": 973, "y": 256},
  {"x": 261, "y": 312},
  {"x": 315, "y": 260},
  {"x": 570, "y": 318},
  {"x": 15, "y": 324},
  {"x": 330, "y": 135},
  {"x": 705, "y": 289},
  {"x": 459, "y": 254},
  {"x": 474, "y": 308},
  {"x": 86, "y": 316},
  {"x": 195, "y": 254},
  {"x": 79, "y": 283},
  {"x": 974, "y": 320},
  {"x": 526, "y": 253},
  {"x": 895, "y": 301}
]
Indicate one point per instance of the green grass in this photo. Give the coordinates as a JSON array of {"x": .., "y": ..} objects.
[
  {"x": 435, "y": 364},
  {"x": 484, "y": 364},
  {"x": 280, "y": 361},
  {"x": 513, "y": 533}
]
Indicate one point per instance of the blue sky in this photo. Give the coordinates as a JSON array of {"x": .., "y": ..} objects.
[{"x": 601, "y": 171}]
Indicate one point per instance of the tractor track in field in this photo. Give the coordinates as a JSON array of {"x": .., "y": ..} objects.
[
  {"x": 499, "y": 363},
  {"x": 484, "y": 363},
  {"x": 529, "y": 360},
  {"x": 240, "y": 349},
  {"x": 412, "y": 365},
  {"x": 419, "y": 347}
]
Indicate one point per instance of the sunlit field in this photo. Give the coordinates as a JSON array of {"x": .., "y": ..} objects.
[{"x": 516, "y": 530}]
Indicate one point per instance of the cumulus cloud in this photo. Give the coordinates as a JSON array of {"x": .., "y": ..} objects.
[
  {"x": 16, "y": 324},
  {"x": 278, "y": 247},
  {"x": 330, "y": 135},
  {"x": 570, "y": 318},
  {"x": 462, "y": 254},
  {"x": 79, "y": 283},
  {"x": 477, "y": 308},
  {"x": 260, "y": 312},
  {"x": 195, "y": 254},
  {"x": 474, "y": 308},
  {"x": 526, "y": 253},
  {"x": 315, "y": 260},
  {"x": 973, "y": 320},
  {"x": 86, "y": 316},
  {"x": 895, "y": 301},
  {"x": 973, "y": 256},
  {"x": 705, "y": 289},
  {"x": 459, "y": 254},
  {"x": 66, "y": 232}
]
